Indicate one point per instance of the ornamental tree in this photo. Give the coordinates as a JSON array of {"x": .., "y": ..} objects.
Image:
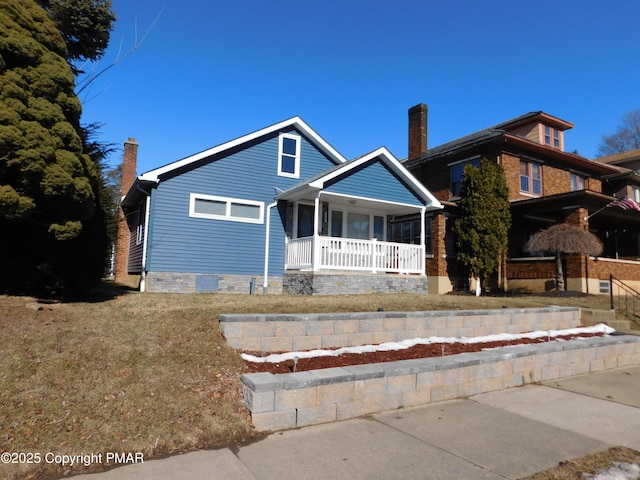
[
  {"x": 562, "y": 239},
  {"x": 485, "y": 218}
]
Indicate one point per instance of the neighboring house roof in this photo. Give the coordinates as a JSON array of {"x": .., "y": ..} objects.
[
  {"x": 534, "y": 117},
  {"x": 499, "y": 135},
  {"x": 320, "y": 181},
  {"x": 622, "y": 158}
]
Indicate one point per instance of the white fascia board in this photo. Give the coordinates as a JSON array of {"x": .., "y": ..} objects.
[
  {"x": 154, "y": 175},
  {"x": 391, "y": 161},
  {"x": 406, "y": 175}
]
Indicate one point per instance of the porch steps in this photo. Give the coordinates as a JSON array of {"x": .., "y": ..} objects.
[{"x": 590, "y": 317}]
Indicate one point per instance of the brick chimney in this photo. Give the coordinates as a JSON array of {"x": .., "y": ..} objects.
[
  {"x": 418, "y": 131},
  {"x": 127, "y": 180}
]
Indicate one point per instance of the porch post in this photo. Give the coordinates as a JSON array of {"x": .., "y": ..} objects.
[
  {"x": 423, "y": 210},
  {"x": 315, "y": 260}
]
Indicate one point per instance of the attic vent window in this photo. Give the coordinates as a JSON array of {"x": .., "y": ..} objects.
[{"x": 289, "y": 155}]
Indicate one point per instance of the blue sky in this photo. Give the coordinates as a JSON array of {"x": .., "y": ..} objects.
[{"x": 211, "y": 71}]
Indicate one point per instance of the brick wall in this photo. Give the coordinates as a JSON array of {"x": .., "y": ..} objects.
[{"x": 128, "y": 178}]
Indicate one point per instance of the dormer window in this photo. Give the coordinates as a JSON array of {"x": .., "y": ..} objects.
[
  {"x": 289, "y": 155},
  {"x": 552, "y": 136}
]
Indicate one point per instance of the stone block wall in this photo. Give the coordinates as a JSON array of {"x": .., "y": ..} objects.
[
  {"x": 277, "y": 332},
  {"x": 286, "y": 401}
]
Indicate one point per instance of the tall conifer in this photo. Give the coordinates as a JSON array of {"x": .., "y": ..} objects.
[{"x": 485, "y": 218}]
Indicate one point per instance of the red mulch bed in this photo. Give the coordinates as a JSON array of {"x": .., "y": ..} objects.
[{"x": 418, "y": 351}]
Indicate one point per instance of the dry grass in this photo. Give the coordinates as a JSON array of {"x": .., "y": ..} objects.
[
  {"x": 150, "y": 373},
  {"x": 590, "y": 464}
]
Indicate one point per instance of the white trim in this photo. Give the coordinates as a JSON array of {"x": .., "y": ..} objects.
[
  {"x": 296, "y": 157},
  {"x": 296, "y": 122},
  {"x": 388, "y": 159},
  {"x": 267, "y": 233},
  {"x": 145, "y": 245},
  {"x": 228, "y": 201}
]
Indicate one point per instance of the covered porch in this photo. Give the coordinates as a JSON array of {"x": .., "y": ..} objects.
[{"x": 339, "y": 223}]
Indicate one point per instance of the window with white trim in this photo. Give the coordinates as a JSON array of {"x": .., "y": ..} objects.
[
  {"x": 577, "y": 182},
  {"x": 225, "y": 208},
  {"x": 530, "y": 177},
  {"x": 142, "y": 217},
  {"x": 289, "y": 155}
]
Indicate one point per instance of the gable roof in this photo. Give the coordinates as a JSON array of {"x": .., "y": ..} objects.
[
  {"x": 320, "y": 181},
  {"x": 295, "y": 122}
]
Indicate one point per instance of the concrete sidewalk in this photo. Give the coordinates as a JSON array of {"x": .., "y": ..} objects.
[{"x": 507, "y": 434}]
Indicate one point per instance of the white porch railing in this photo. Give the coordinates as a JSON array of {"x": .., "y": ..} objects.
[{"x": 352, "y": 254}]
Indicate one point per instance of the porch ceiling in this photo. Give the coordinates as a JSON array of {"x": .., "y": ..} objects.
[
  {"x": 391, "y": 208},
  {"x": 556, "y": 207}
]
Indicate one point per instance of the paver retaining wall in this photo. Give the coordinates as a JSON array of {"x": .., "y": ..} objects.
[
  {"x": 285, "y": 401},
  {"x": 283, "y": 333}
]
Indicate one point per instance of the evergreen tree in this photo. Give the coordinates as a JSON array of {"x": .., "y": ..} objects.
[
  {"x": 85, "y": 26},
  {"x": 485, "y": 218},
  {"x": 52, "y": 223}
]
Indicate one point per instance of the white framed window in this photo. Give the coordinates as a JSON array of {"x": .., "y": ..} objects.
[
  {"x": 225, "y": 208},
  {"x": 530, "y": 177},
  {"x": 577, "y": 182},
  {"x": 551, "y": 136},
  {"x": 358, "y": 223},
  {"x": 142, "y": 215},
  {"x": 289, "y": 155}
]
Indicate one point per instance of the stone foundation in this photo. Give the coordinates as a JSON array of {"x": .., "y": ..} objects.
[
  {"x": 179, "y": 282},
  {"x": 314, "y": 283}
]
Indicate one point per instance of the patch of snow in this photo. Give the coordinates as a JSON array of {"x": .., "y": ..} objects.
[
  {"x": 281, "y": 357},
  {"x": 619, "y": 471}
]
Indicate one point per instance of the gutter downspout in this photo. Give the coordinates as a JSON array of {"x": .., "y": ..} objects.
[
  {"x": 423, "y": 211},
  {"x": 265, "y": 282},
  {"x": 143, "y": 274}
]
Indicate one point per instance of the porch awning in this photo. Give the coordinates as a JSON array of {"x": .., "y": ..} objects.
[{"x": 555, "y": 207}]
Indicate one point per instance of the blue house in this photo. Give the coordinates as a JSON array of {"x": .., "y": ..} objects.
[{"x": 277, "y": 210}]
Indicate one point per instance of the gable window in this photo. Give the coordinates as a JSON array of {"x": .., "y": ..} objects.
[
  {"x": 225, "y": 208},
  {"x": 456, "y": 175},
  {"x": 289, "y": 155},
  {"x": 551, "y": 136},
  {"x": 530, "y": 177},
  {"x": 577, "y": 182}
]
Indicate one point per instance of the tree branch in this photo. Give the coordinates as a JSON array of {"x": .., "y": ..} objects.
[{"x": 93, "y": 77}]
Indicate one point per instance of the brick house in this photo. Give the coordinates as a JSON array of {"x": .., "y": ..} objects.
[{"x": 547, "y": 185}]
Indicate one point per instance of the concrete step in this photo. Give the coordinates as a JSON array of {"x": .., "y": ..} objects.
[{"x": 591, "y": 317}]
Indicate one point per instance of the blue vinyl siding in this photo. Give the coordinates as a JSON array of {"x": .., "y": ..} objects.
[
  {"x": 179, "y": 243},
  {"x": 374, "y": 180}
]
